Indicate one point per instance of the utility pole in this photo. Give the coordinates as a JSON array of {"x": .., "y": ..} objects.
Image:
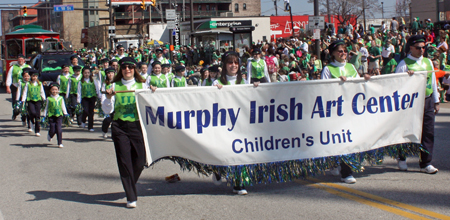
[
  {"x": 364, "y": 13},
  {"x": 275, "y": 5},
  {"x": 382, "y": 10},
  {"x": 184, "y": 10},
  {"x": 192, "y": 21},
  {"x": 328, "y": 11},
  {"x": 316, "y": 13},
  {"x": 410, "y": 15},
  {"x": 292, "y": 21}
]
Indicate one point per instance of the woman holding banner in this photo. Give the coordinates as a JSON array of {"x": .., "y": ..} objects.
[
  {"x": 231, "y": 75},
  {"x": 126, "y": 129},
  {"x": 339, "y": 68}
]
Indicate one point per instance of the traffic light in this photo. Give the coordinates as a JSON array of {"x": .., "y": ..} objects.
[
  {"x": 143, "y": 4},
  {"x": 25, "y": 11},
  {"x": 153, "y": 3}
]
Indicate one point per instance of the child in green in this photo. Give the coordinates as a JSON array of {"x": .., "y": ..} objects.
[
  {"x": 179, "y": 80},
  {"x": 22, "y": 83},
  {"x": 55, "y": 110},
  {"x": 87, "y": 96}
]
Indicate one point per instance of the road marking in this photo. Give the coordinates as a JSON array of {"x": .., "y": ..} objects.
[
  {"x": 361, "y": 200},
  {"x": 383, "y": 200}
]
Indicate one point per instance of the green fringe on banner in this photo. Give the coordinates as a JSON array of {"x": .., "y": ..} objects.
[
  {"x": 79, "y": 109},
  {"x": 66, "y": 121},
  {"x": 44, "y": 122},
  {"x": 284, "y": 171}
]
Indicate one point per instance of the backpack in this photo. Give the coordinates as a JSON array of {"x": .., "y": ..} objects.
[{"x": 271, "y": 66}]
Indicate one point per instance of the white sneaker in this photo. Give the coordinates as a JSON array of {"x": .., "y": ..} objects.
[
  {"x": 217, "y": 179},
  {"x": 38, "y": 135},
  {"x": 60, "y": 146},
  {"x": 131, "y": 205},
  {"x": 30, "y": 129},
  {"x": 91, "y": 130},
  {"x": 105, "y": 135},
  {"x": 49, "y": 138},
  {"x": 430, "y": 169},
  {"x": 349, "y": 179},
  {"x": 240, "y": 191},
  {"x": 335, "y": 171},
  {"x": 402, "y": 165},
  {"x": 83, "y": 125}
]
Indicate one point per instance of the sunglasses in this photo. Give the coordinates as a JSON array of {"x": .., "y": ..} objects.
[
  {"x": 231, "y": 62},
  {"x": 342, "y": 51},
  {"x": 127, "y": 66},
  {"x": 419, "y": 48}
]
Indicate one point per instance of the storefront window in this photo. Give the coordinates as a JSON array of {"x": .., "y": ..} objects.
[
  {"x": 32, "y": 45},
  {"x": 14, "y": 48}
]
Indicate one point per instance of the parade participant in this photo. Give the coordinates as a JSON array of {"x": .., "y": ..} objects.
[
  {"x": 74, "y": 62},
  {"x": 142, "y": 68},
  {"x": 157, "y": 79},
  {"x": 13, "y": 77},
  {"x": 374, "y": 56},
  {"x": 159, "y": 57},
  {"x": 34, "y": 94},
  {"x": 205, "y": 76},
  {"x": 87, "y": 96},
  {"x": 63, "y": 80},
  {"x": 214, "y": 73},
  {"x": 179, "y": 80},
  {"x": 231, "y": 75},
  {"x": 120, "y": 52},
  {"x": 114, "y": 64},
  {"x": 104, "y": 64},
  {"x": 55, "y": 109},
  {"x": 416, "y": 62},
  {"x": 257, "y": 69},
  {"x": 339, "y": 68},
  {"x": 126, "y": 129},
  {"x": 72, "y": 93},
  {"x": 166, "y": 71},
  {"x": 20, "y": 88},
  {"x": 110, "y": 73}
]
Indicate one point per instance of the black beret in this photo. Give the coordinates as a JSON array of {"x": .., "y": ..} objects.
[
  {"x": 155, "y": 63},
  {"x": 416, "y": 39},
  {"x": 256, "y": 51},
  {"x": 335, "y": 44},
  {"x": 54, "y": 84},
  {"x": 33, "y": 72},
  {"x": 165, "y": 65},
  {"x": 214, "y": 68},
  {"x": 119, "y": 46},
  {"x": 105, "y": 60},
  {"x": 26, "y": 70},
  {"x": 20, "y": 56},
  {"x": 73, "y": 56},
  {"x": 204, "y": 69},
  {"x": 110, "y": 69},
  {"x": 86, "y": 68},
  {"x": 127, "y": 60},
  {"x": 113, "y": 60},
  {"x": 180, "y": 68},
  {"x": 139, "y": 65},
  {"x": 159, "y": 50},
  {"x": 64, "y": 66},
  {"x": 76, "y": 68}
]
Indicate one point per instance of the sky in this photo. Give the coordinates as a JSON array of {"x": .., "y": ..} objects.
[{"x": 299, "y": 7}]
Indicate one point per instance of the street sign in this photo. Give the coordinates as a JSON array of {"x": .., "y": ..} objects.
[
  {"x": 316, "y": 34},
  {"x": 171, "y": 14},
  {"x": 171, "y": 25},
  {"x": 58, "y": 8},
  {"x": 112, "y": 30},
  {"x": 316, "y": 22}
]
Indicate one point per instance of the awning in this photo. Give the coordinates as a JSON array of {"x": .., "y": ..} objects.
[{"x": 215, "y": 31}]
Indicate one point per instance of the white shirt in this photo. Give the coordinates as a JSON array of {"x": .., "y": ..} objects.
[
  {"x": 387, "y": 51},
  {"x": 364, "y": 53},
  {"x": 25, "y": 92},
  {"x": 326, "y": 74},
  {"x": 403, "y": 68},
  {"x": 443, "y": 44},
  {"x": 97, "y": 89},
  {"x": 249, "y": 71},
  {"x": 9, "y": 79},
  {"x": 63, "y": 106},
  {"x": 230, "y": 79},
  {"x": 108, "y": 104}
]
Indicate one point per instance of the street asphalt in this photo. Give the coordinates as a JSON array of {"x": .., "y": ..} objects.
[{"x": 38, "y": 180}]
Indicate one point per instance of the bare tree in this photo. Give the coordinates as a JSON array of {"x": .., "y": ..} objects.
[
  {"x": 349, "y": 9},
  {"x": 402, "y": 8}
]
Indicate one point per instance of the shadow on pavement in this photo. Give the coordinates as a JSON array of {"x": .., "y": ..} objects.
[
  {"x": 71, "y": 196},
  {"x": 33, "y": 145}
]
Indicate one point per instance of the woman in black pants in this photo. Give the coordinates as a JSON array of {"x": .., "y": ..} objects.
[
  {"x": 109, "y": 76},
  {"x": 126, "y": 129}
]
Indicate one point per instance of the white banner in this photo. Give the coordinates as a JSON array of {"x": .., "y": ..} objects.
[{"x": 239, "y": 125}]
